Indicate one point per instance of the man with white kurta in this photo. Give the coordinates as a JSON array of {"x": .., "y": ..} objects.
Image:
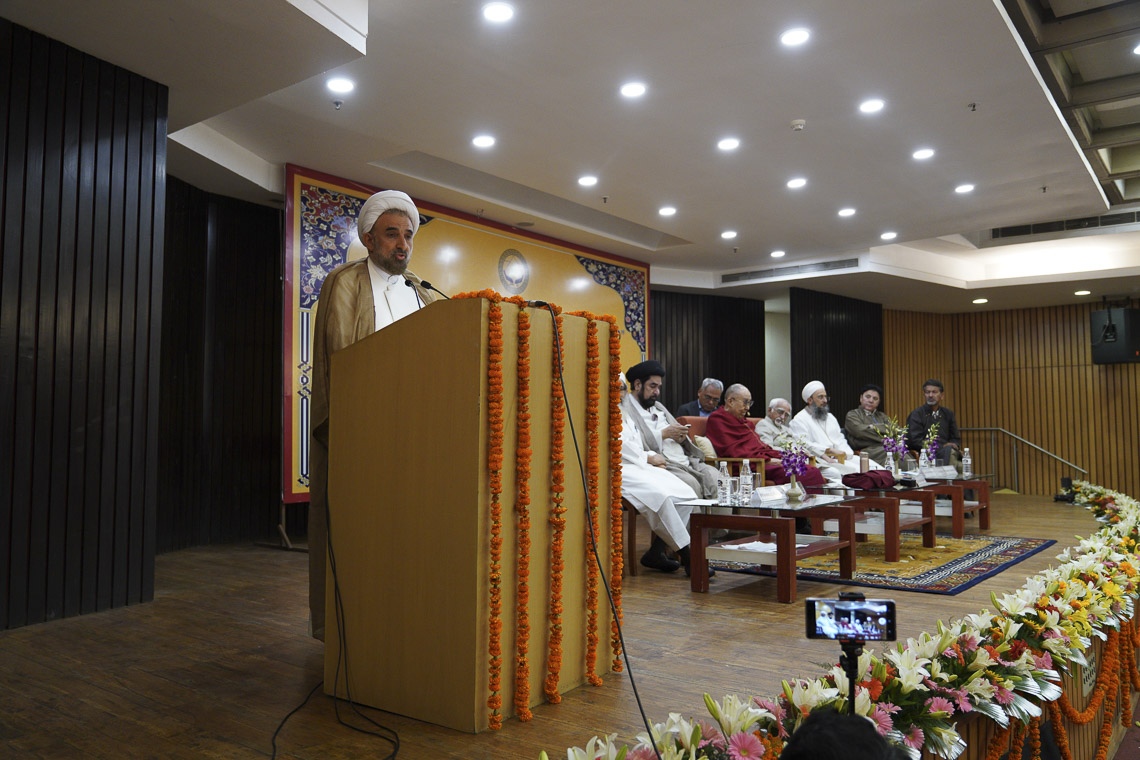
[
  {"x": 356, "y": 300},
  {"x": 661, "y": 434},
  {"x": 821, "y": 433},
  {"x": 656, "y": 493}
]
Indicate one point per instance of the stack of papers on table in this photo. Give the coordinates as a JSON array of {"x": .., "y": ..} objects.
[{"x": 754, "y": 546}]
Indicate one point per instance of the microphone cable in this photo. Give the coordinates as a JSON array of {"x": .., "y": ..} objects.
[{"x": 594, "y": 537}]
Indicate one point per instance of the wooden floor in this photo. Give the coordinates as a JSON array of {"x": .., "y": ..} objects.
[{"x": 211, "y": 667}]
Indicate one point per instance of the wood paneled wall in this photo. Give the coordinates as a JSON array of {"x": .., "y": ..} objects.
[
  {"x": 1029, "y": 371},
  {"x": 221, "y": 378},
  {"x": 84, "y": 146},
  {"x": 698, "y": 336},
  {"x": 838, "y": 341}
]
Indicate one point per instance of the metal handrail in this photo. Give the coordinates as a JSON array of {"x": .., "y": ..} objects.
[{"x": 1017, "y": 439}]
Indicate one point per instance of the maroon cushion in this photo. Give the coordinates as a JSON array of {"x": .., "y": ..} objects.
[{"x": 872, "y": 479}]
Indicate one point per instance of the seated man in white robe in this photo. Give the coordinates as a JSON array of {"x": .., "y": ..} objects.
[
  {"x": 655, "y": 492},
  {"x": 820, "y": 431}
]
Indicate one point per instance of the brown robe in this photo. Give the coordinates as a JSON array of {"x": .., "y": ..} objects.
[{"x": 345, "y": 314}]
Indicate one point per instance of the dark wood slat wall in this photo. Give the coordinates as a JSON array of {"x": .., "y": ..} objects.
[
  {"x": 83, "y": 181},
  {"x": 838, "y": 341},
  {"x": 1029, "y": 371},
  {"x": 698, "y": 336},
  {"x": 219, "y": 458}
]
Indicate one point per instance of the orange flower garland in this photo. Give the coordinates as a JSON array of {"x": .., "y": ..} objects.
[
  {"x": 522, "y": 515},
  {"x": 556, "y": 519},
  {"x": 593, "y": 398},
  {"x": 999, "y": 743},
  {"x": 495, "y": 468},
  {"x": 617, "y": 553},
  {"x": 1059, "y": 732}
]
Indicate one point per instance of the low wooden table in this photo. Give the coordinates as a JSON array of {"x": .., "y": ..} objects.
[
  {"x": 783, "y": 531},
  {"x": 959, "y": 507},
  {"x": 890, "y": 523}
]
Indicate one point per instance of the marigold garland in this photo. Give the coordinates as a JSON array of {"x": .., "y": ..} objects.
[
  {"x": 593, "y": 398},
  {"x": 495, "y": 468},
  {"x": 617, "y": 548},
  {"x": 1059, "y": 733},
  {"x": 556, "y": 519},
  {"x": 999, "y": 743},
  {"x": 522, "y": 515},
  {"x": 523, "y": 461}
]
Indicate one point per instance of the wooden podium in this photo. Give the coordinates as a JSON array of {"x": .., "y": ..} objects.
[{"x": 409, "y": 510}]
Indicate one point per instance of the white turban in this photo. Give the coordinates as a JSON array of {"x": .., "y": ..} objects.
[
  {"x": 386, "y": 200},
  {"x": 811, "y": 389}
]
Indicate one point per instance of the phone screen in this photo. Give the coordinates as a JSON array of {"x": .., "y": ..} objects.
[{"x": 865, "y": 619}]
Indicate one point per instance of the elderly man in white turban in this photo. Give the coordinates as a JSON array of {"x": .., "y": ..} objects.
[
  {"x": 356, "y": 300},
  {"x": 819, "y": 429}
]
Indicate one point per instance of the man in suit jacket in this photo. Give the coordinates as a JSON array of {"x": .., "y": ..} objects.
[{"x": 708, "y": 399}]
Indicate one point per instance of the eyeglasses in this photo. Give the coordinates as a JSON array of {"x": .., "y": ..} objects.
[{"x": 746, "y": 402}]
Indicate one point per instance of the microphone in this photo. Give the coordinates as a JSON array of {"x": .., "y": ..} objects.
[
  {"x": 429, "y": 286},
  {"x": 538, "y": 304},
  {"x": 412, "y": 285}
]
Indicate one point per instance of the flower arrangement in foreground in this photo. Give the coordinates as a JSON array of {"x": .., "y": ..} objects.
[
  {"x": 794, "y": 456},
  {"x": 894, "y": 439},
  {"x": 1002, "y": 664}
]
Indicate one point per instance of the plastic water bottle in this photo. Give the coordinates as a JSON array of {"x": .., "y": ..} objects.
[
  {"x": 745, "y": 484},
  {"x": 923, "y": 460},
  {"x": 722, "y": 485},
  {"x": 967, "y": 465}
]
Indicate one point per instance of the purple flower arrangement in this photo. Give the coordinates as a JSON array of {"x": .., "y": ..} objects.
[
  {"x": 930, "y": 444},
  {"x": 795, "y": 459},
  {"x": 894, "y": 439}
]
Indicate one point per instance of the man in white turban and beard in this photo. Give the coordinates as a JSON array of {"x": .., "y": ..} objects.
[
  {"x": 356, "y": 300},
  {"x": 820, "y": 431}
]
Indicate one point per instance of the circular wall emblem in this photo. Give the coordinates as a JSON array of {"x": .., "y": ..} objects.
[{"x": 514, "y": 272}]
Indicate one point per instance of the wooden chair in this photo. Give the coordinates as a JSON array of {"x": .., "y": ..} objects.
[{"x": 629, "y": 566}]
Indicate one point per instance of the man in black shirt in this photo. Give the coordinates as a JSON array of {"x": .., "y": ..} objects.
[{"x": 932, "y": 413}]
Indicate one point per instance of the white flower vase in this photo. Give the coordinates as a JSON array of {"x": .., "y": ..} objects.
[{"x": 795, "y": 492}]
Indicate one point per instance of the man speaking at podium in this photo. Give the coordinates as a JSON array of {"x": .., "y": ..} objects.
[{"x": 357, "y": 299}]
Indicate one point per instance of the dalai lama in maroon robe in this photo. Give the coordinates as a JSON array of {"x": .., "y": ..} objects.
[{"x": 732, "y": 436}]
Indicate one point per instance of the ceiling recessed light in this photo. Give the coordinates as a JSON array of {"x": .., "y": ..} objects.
[
  {"x": 847, "y": 212},
  {"x": 796, "y": 182},
  {"x": 340, "y": 85},
  {"x": 1136, "y": 50},
  {"x": 963, "y": 189},
  {"x": 588, "y": 180},
  {"x": 777, "y": 254},
  {"x": 889, "y": 235},
  {"x": 981, "y": 300},
  {"x": 483, "y": 141},
  {"x": 728, "y": 143},
  {"x": 666, "y": 211},
  {"x": 1083, "y": 293},
  {"x": 874, "y": 105},
  {"x": 498, "y": 12},
  {"x": 728, "y": 234},
  {"x": 923, "y": 153},
  {"x": 794, "y": 37},
  {"x": 633, "y": 89}
]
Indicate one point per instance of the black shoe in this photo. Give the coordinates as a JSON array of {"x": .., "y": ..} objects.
[
  {"x": 655, "y": 558},
  {"x": 684, "y": 555}
]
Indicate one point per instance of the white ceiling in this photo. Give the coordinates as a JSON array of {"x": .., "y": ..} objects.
[{"x": 1000, "y": 101}]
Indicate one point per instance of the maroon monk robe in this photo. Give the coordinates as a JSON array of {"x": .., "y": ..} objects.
[{"x": 734, "y": 437}]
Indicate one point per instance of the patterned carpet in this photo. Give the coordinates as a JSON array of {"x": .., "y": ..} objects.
[{"x": 951, "y": 566}]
